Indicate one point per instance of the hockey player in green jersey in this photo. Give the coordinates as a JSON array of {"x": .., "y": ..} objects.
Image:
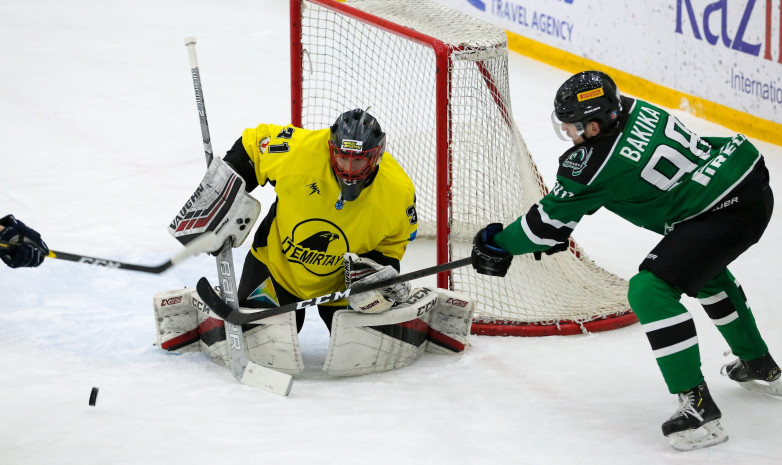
[{"x": 710, "y": 199}]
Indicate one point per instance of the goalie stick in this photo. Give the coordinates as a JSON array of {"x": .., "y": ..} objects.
[
  {"x": 245, "y": 371},
  {"x": 237, "y": 316},
  {"x": 192, "y": 249}
]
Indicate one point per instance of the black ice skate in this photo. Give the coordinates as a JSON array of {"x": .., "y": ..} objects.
[
  {"x": 697, "y": 422},
  {"x": 761, "y": 374}
]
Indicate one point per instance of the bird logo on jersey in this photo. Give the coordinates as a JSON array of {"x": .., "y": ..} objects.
[{"x": 318, "y": 245}]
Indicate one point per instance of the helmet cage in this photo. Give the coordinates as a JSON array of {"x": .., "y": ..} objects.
[{"x": 353, "y": 164}]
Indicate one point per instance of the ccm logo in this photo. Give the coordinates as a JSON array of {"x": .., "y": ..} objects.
[
  {"x": 171, "y": 301},
  {"x": 456, "y": 302}
]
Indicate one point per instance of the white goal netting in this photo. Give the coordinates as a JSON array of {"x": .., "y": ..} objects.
[{"x": 437, "y": 81}]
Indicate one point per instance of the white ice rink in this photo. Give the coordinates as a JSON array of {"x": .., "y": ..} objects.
[{"x": 101, "y": 145}]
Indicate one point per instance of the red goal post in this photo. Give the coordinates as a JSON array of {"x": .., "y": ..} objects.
[{"x": 437, "y": 81}]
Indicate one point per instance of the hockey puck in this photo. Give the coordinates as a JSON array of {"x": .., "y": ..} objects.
[{"x": 93, "y": 396}]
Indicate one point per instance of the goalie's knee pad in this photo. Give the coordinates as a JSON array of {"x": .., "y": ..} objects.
[
  {"x": 429, "y": 320},
  {"x": 185, "y": 324},
  {"x": 176, "y": 321},
  {"x": 450, "y": 323}
]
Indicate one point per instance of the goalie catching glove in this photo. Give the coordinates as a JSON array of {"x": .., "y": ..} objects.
[
  {"x": 220, "y": 205},
  {"x": 363, "y": 270}
]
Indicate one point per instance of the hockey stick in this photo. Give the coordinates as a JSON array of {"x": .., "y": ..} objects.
[
  {"x": 244, "y": 370},
  {"x": 239, "y": 316},
  {"x": 192, "y": 249}
]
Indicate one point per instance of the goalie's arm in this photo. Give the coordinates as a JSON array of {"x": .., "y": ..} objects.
[{"x": 240, "y": 161}]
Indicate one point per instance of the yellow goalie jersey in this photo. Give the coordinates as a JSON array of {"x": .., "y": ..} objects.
[{"x": 306, "y": 233}]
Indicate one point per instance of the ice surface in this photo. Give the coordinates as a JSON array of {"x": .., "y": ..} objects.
[{"x": 101, "y": 145}]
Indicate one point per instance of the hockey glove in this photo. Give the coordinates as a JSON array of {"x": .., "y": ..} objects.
[
  {"x": 487, "y": 258},
  {"x": 561, "y": 247},
  {"x": 362, "y": 270},
  {"x": 27, "y": 249}
]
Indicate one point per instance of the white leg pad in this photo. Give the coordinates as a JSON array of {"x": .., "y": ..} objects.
[
  {"x": 176, "y": 321},
  {"x": 450, "y": 323},
  {"x": 185, "y": 324},
  {"x": 363, "y": 343},
  {"x": 273, "y": 343}
]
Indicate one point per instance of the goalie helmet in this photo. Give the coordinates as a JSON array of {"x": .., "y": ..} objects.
[
  {"x": 356, "y": 146},
  {"x": 585, "y": 97}
]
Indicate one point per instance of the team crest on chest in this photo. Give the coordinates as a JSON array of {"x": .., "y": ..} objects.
[
  {"x": 318, "y": 245},
  {"x": 578, "y": 160}
]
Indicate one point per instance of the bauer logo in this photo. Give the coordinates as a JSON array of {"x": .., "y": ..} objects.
[
  {"x": 590, "y": 94},
  {"x": 318, "y": 245}
]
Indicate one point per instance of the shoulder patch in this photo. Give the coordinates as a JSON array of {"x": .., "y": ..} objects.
[
  {"x": 263, "y": 144},
  {"x": 582, "y": 162},
  {"x": 578, "y": 160}
]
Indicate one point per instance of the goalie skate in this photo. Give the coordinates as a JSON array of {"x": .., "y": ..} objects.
[{"x": 760, "y": 375}]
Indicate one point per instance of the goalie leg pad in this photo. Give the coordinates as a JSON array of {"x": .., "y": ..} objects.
[
  {"x": 450, "y": 323},
  {"x": 363, "y": 343},
  {"x": 274, "y": 343},
  {"x": 220, "y": 205},
  {"x": 176, "y": 321},
  {"x": 185, "y": 324}
]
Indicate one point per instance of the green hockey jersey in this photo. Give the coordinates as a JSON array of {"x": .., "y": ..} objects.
[{"x": 654, "y": 173}]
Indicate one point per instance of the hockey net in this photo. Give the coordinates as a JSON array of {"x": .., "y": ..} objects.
[{"x": 437, "y": 81}]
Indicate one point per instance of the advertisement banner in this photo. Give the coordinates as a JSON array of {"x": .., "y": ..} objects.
[{"x": 727, "y": 55}]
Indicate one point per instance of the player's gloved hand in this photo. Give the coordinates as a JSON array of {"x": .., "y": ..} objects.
[
  {"x": 561, "y": 247},
  {"x": 362, "y": 270},
  {"x": 487, "y": 258},
  {"x": 26, "y": 249}
]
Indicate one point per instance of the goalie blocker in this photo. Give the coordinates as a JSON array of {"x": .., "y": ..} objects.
[
  {"x": 430, "y": 320},
  {"x": 219, "y": 204}
]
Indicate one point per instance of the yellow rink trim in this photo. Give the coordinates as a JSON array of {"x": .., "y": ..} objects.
[{"x": 739, "y": 121}]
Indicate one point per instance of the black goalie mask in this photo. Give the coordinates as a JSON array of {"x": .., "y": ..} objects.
[{"x": 356, "y": 146}]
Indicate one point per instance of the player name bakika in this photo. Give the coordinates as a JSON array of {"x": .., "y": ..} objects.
[{"x": 643, "y": 129}]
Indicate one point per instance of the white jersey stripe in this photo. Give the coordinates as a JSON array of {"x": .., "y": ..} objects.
[
  {"x": 556, "y": 223},
  {"x": 532, "y": 237},
  {"x": 659, "y": 353},
  {"x": 713, "y": 299},
  {"x": 665, "y": 323}
]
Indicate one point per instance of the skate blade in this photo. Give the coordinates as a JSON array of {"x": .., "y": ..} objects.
[
  {"x": 709, "y": 434},
  {"x": 774, "y": 388}
]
